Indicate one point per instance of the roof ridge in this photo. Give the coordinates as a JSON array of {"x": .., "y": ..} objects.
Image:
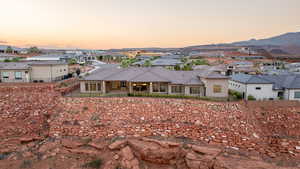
[
  {"x": 160, "y": 75},
  {"x": 139, "y": 73},
  {"x": 112, "y": 73}
]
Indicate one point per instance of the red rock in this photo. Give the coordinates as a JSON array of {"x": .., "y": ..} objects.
[{"x": 117, "y": 144}]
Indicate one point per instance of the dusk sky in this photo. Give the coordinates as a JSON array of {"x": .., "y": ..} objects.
[{"x": 103, "y": 24}]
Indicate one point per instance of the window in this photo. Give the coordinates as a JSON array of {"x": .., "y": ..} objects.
[
  {"x": 217, "y": 88},
  {"x": 18, "y": 75},
  {"x": 123, "y": 84},
  {"x": 297, "y": 95},
  {"x": 163, "y": 88},
  {"x": 258, "y": 88},
  {"x": 155, "y": 87},
  {"x": 99, "y": 86},
  {"x": 177, "y": 89},
  {"x": 5, "y": 75},
  {"x": 93, "y": 87},
  {"x": 160, "y": 87},
  {"x": 194, "y": 90},
  {"x": 87, "y": 87}
]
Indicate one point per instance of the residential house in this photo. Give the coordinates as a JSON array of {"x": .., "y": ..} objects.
[
  {"x": 268, "y": 87},
  {"x": 155, "y": 80},
  {"x": 44, "y": 71},
  {"x": 240, "y": 67}
]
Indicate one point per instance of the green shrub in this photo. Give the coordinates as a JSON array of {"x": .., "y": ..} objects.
[
  {"x": 157, "y": 95},
  {"x": 93, "y": 164},
  {"x": 236, "y": 95},
  {"x": 250, "y": 97},
  {"x": 26, "y": 164}
]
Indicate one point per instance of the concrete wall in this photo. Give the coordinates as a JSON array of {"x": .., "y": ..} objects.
[
  {"x": 11, "y": 74},
  {"x": 236, "y": 86},
  {"x": 266, "y": 91},
  {"x": 291, "y": 94},
  {"x": 187, "y": 90},
  {"x": 48, "y": 73},
  {"x": 209, "y": 85}
]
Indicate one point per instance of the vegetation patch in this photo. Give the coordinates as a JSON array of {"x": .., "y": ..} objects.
[
  {"x": 93, "y": 164},
  {"x": 26, "y": 164}
]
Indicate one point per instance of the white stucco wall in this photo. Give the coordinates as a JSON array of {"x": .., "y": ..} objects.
[
  {"x": 48, "y": 73},
  {"x": 236, "y": 86},
  {"x": 266, "y": 91},
  {"x": 291, "y": 94},
  {"x": 209, "y": 85},
  {"x": 11, "y": 76}
]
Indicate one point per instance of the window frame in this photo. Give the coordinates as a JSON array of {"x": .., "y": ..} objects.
[
  {"x": 20, "y": 77},
  {"x": 297, "y": 95},
  {"x": 5, "y": 75},
  {"x": 192, "y": 90},
  {"x": 177, "y": 89},
  {"x": 217, "y": 88}
]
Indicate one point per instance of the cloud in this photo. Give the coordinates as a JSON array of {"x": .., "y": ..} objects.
[{"x": 2, "y": 42}]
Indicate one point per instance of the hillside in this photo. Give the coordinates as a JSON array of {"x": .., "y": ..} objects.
[{"x": 281, "y": 40}]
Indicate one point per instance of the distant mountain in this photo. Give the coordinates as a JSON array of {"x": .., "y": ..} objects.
[{"x": 287, "y": 39}]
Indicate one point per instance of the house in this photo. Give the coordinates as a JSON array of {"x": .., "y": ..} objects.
[
  {"x": 43, "y": 71},
  {"x": 240, "y": 67},
  {"x": 160, "y": 62},
  {"x": 269, "y": 87},
  {"x": 52, "y": 57},
  {"x": 155, "y": 80}
]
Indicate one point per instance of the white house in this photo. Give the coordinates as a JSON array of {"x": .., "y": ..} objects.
[{"x": 267, "y": 87}]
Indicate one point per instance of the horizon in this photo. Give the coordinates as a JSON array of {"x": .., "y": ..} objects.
[{"x": 117, "y": 24}]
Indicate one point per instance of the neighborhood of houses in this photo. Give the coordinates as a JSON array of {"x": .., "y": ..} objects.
[{"x": 244, "y": 72}]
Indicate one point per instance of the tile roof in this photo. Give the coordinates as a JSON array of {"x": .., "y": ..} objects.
[
  {"x": 290, "y": 81},
  {"x": 26, "y": 65},
  {"x": 151, "y": 74}
]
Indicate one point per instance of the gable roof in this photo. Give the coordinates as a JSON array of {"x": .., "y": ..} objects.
[
  {"x": 150, "y": 74},
  {"x": 249, "y": 79},
  {"x": 26, "y": 65},
  {"x": 291, "y": 81}
]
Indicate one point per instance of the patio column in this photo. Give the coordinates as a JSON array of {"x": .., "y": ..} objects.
[
  {"x": 169, "y": 89},
  {"x": 130, "y": 87},
  {"x": 151, "y": 87},
  {"x": 103, "y": 87},
  {"x": 187, "y": 90}
]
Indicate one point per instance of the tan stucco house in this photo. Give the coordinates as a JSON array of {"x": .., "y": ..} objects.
[
  {"x": 155, "y": 80},
  {"x": 42, "y": 71}
]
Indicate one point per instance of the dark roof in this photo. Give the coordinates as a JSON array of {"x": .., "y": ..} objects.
[
  {"x": 166, "y": 62},
  {"x": 14, "y": 66},
  {"x": 26, "y": 65},
  {"x": 150, "y": 74},
  {"x": 290, "y": 81},
  {"x": 249, "y": 79}
]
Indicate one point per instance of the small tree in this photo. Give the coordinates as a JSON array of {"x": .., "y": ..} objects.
[
  {"x": 9, "y": 49},
  {"x": 34, "y": 49},
  {"x": 78, "y": 71},
  {"x": 177, "y": 67},
  {"x": 250, "y": 97},
  {"x": 147, "y": 63},
  {"x": 72, "y": 62}
]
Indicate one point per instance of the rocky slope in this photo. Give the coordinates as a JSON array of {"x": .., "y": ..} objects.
[{"x": 41, "y": 129}]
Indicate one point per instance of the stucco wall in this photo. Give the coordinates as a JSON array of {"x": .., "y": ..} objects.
[
  {"x": 236, "y": 86},
  {"x": 48, "y": 73},
  {"x": 266, "y": 91},
  {"x": 209, "y": 84},
  {"x": 291, "y": 94},
  {"x": 11, "y": 74}
]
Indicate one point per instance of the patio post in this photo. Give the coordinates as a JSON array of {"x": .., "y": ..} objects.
[
  {"x": 151, "y": 87},
  {"x": 103, "y": 87}
]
